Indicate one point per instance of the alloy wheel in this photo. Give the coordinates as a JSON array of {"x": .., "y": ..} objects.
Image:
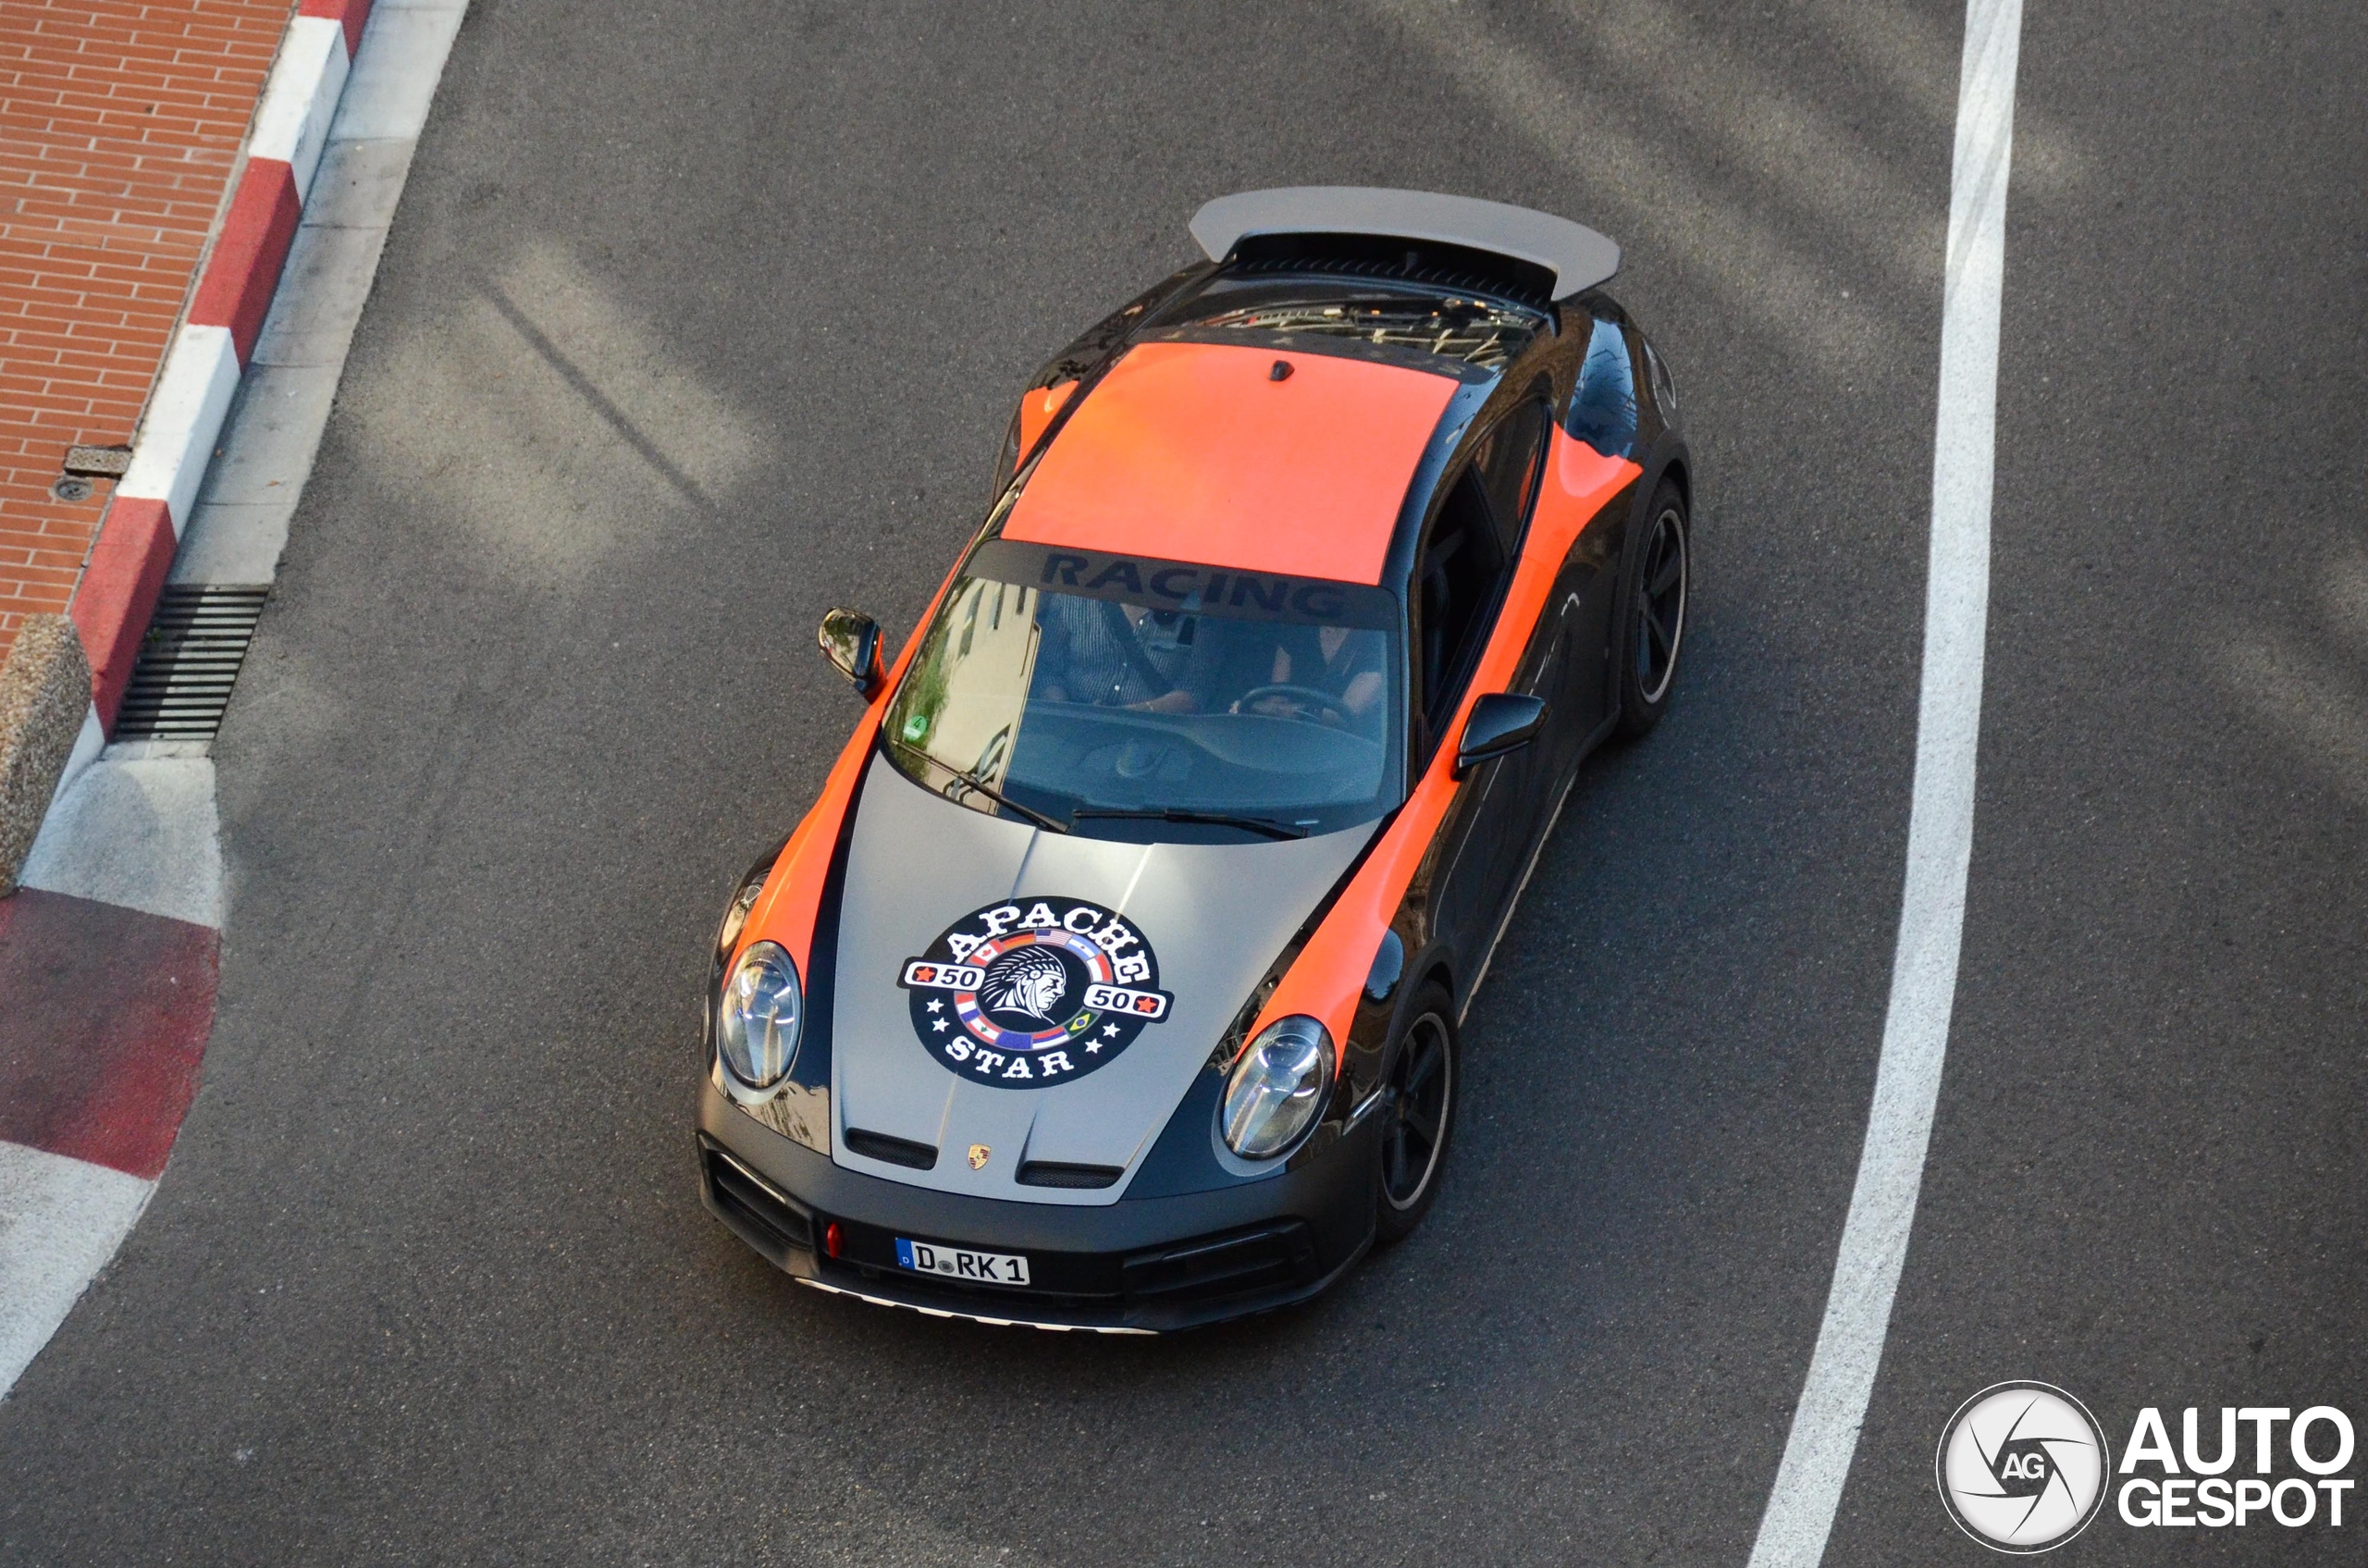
[
  {"x": 1660, "y": 610},
  {"x": 1417, "y": 1118}
]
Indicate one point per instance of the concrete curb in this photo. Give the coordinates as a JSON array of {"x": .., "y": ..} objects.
[
  {"x": 209, "y": 352},
  {"x": 44, "y": 690}
]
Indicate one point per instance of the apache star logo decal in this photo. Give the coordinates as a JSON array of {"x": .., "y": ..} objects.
[{"x": 1036, "y": 990}]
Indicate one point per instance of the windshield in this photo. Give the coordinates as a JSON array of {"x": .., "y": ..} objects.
[{"x": 1122, "y": 698}]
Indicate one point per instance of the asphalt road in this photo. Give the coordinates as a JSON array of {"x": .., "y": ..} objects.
[{"x": 698, "y": 320}]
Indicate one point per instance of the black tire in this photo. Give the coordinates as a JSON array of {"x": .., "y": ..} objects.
[
  {"x": 1652, "y": 619},
  {"x": 1425, "y": 1082}
]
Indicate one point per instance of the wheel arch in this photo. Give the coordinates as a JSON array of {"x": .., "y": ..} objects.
[
  {"x": 1436, "y": 968},
  {"x": 1671, "y": 459},
  {"x": 1679, "y": 470}
]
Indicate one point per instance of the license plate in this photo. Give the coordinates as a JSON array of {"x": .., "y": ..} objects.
[{"x": 961, "y": 1263}]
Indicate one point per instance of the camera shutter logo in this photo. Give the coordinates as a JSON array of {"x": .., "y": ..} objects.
[{"x": 2022, "y": 1468}]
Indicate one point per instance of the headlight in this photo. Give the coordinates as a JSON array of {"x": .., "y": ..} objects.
[
  {"x": 757, "y": 1019},
  {"x": 735, "y": 914},
  {"x": 1277, "y": 1087}
]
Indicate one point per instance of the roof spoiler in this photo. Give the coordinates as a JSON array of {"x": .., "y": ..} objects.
[{"x": 1578, "y": 258}]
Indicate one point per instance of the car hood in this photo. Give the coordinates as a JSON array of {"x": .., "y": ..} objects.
[{"x": 1212, "y": 915}]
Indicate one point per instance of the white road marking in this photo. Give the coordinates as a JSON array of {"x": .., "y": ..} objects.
[
  {"x": 60, "y": 1220},
  {"x": 1800, "y": 1509}
]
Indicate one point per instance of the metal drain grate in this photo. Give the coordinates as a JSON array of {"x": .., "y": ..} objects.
[{"x": 188, "y": 663}]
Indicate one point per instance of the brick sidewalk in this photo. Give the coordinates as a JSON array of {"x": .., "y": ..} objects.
[{"x": 119, "y": 125}]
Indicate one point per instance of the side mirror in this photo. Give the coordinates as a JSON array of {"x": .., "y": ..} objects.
[
  {"x": 1502, "y": 721},
  {"x": 852, "y": 642}
]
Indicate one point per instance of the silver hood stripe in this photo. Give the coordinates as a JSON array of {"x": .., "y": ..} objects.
[{"x": 1217, "y": 914}]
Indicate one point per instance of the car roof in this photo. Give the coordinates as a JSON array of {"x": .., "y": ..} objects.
[{"x": 1198, "y": 452}]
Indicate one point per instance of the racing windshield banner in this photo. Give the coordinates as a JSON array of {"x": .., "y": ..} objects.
[
  {"x": 1033, "y": 991},
  {"x": 1182, "y": 586}
]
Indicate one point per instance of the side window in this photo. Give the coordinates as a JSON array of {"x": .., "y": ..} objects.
[
  {"x": 1456, "y": 575},
  {"x": 1509, "y": 464},
  {"x": 1603, "y": 411}
]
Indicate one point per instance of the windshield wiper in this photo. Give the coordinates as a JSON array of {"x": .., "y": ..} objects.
[
  {"x": 1266, "y": 825},
  {"x": 972, "y": 780}
]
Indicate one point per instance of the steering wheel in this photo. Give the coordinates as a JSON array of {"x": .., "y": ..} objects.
[{"x": 1305, "y": 697}]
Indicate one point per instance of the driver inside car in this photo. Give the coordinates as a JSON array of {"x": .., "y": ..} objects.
[{"x": 1335, "y": 672}]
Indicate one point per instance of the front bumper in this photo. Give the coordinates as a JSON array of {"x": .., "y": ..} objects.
[{"x": 1145, "y": 1267}]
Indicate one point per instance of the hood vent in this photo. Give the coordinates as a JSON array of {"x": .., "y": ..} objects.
[
  {"x": 894, "y": 1151},
  {"x": 1053, "y": 1173}
]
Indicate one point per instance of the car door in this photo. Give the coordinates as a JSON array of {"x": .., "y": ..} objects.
[
  {"x": 1601, "y": 421},
  {"x": 1462, "y": 568}
]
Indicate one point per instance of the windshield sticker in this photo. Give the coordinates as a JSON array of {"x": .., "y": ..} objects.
[
  {"x": 1182, "y": 586},
  {"x": 1032, "y": 992}
]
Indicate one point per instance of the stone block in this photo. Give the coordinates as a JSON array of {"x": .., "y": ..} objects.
[{"x": 44, "y": 691}]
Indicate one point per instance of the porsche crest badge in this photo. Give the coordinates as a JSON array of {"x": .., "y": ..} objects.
[{"x": 979, "y": 1155}]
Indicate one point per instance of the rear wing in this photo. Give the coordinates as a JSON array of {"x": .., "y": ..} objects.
[{"x": 1578, "y": 257}]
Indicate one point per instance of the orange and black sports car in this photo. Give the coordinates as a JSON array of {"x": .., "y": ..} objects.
[{"x": 1114, "y": 982}]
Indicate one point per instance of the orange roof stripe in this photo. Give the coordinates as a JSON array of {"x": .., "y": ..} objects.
[
  {"x": 1036, "y": 410},
  {"x": 1193, "y": 451}
]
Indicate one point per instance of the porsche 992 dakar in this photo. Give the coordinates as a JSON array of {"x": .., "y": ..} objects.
[{"x": 1115, "y": 981}]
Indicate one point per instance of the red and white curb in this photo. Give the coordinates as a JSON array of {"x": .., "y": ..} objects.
[
  {"x": 108, "y": 1011},
  {"x": 61, "y": 1219},
  {"x": 192, "y": 395},
  {"x": 108, "y": 954}
]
